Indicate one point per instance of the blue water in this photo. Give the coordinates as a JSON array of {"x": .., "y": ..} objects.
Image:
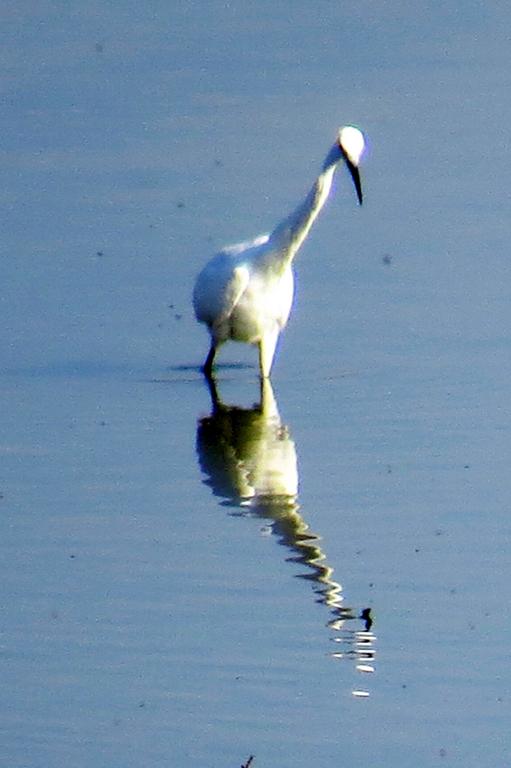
[{"x": 159, "y": 608}]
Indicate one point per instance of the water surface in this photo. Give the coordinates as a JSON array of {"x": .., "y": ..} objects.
[{"x": 184, "y": 571}]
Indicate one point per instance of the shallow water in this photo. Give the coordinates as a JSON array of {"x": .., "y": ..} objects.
[{"x": 184, "y": 571}]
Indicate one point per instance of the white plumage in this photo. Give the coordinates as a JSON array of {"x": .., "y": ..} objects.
[{"x": 245, "y": 292}]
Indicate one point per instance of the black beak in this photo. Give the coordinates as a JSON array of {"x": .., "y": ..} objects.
[{"x": 356, "y": 178}]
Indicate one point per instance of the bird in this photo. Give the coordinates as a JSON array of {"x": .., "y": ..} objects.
[{"x": 245, "y": 292}]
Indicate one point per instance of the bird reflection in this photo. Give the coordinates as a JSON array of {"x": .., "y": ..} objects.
[{"x": 249, "y": 460}]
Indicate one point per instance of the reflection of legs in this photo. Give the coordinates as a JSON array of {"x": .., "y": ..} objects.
[
  {"x": 215, "y": 400},
  {"x": 266, "y": 351}
]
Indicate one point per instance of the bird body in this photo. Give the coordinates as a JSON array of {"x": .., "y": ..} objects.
[{"x": 245, "y": 292}]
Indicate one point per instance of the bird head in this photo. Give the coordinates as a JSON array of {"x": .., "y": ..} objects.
[{"x": 351, "y": 143}]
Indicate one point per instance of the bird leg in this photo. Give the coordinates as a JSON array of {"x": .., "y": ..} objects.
[
  {"x": 266, "y": 351},
  {"x": 207, "y": 368}
]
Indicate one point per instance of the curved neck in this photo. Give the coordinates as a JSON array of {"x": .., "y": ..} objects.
[{"x": 290, "y": 233}]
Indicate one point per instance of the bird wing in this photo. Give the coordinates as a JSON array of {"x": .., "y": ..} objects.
[
  {"x": 223, "y": 280},
  {"x": 218, "y": 288},
  {"x": 234, "y": 289},
  {"x": 246, "y": 245}
]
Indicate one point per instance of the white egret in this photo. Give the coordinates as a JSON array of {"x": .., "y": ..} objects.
[{"x": 245, "y": 292}]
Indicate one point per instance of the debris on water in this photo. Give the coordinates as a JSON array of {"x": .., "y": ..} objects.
[{"x": 386, "y": 258}]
